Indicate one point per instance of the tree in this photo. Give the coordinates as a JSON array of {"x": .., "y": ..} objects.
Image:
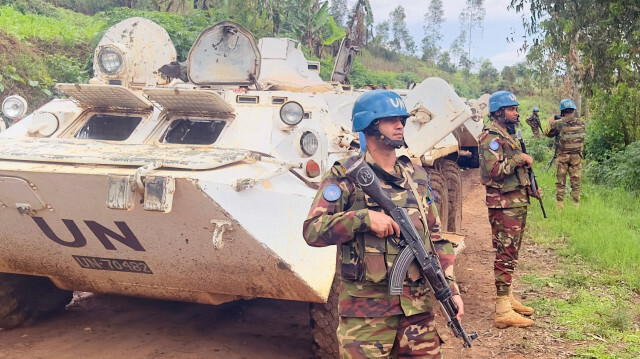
[
  {"x": 382, "y": 35},
  {"x": 597, "y": 44},
  {"x": 401, "y": 41},
  {"x": 508, "y": 83},
  {"x": 339, "y": 10},
  {"x": 488, "y": 76},
  {"x": 360, "y": 26},
  {"x": 444, "y": 63},
  {"x": 433, "y": 19},
  {"x": 457, "y": 48},
  {"x": 471, "y": 19}
]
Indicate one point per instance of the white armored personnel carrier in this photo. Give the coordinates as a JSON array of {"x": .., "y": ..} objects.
[{"x": 196, "y": 189}]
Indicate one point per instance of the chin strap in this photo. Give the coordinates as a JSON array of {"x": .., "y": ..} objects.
[{"x": 373, "y": 131}]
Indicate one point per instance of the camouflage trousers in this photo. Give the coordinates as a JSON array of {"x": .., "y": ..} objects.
[
  {"x": 536, "y": 131},
  {"x": 507, "y": 227},
  {"x": 395, "y": 336},
  {"x": 572, "y": 163}
]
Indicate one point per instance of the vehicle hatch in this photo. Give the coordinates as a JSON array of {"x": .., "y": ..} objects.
[{"x": 225, "y": 53}]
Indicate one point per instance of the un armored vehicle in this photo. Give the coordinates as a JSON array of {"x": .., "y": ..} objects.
[{"x": 193, "y": 186}]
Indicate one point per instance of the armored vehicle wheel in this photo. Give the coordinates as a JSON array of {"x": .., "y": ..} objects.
[
  {"x": 451, "y": 173},
  {"x": 24, "y": 299},
  {"x": 439, "y": 186},
  {"x": 324, "y": 323}
]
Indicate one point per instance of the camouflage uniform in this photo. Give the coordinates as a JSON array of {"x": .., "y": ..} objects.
[
  {"x": 570, "y": 137},
  {"x": 534, "y": 122},
  {"x": 372, "y": 322},
  {"x": 506, "y": 181}
]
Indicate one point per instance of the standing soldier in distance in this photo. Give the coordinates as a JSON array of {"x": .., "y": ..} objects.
[
  {"x": 534, "y": 122},
  {"x": 503, "y": 168},
  {"x": 570, "y": 133},
  {"x": 373, "y": 323}
]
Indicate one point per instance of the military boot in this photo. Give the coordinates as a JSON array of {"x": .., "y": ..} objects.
[
  {"x": 576, "y": 204},
  {"x": 559, "y": 205},
  {"x": 506, "y": 317},
  {"x": 517, "y": 306}
]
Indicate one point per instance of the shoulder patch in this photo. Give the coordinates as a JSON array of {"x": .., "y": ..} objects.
[
  {"x": 494, "y": 145},
  {"x": 331, "y": 192}
]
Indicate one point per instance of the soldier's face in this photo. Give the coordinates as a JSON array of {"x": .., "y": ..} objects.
[
  {"x": 511, "y": 113},
  {"x": 392, "y": 127}
]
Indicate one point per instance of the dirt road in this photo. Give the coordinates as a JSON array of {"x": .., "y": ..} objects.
[{"x": 100, "y": 326}]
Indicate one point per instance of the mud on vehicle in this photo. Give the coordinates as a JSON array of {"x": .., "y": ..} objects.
[{"x": 192, "y": 183}]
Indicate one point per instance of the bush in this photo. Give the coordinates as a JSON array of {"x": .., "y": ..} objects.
[{"x": 618, "y": 169}]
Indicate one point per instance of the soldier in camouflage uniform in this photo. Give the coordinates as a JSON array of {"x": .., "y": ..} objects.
[
  {"x": 534, "y": 122},
  {"x": 570, "y": 133},
  {"x": 374, "y": 324},
  {"x": 503, "y": 168}
]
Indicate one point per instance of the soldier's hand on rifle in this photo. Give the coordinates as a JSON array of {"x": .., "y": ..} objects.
[
  {"x": 528, "y": 159},
  {"x": 383, "y": 225},
  {"x": 460, "y": 304},
  {"x": 536, "y": 195}
]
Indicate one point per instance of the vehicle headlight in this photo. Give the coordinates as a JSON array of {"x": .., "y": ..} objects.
[
  {"x": 309, "y": 143},
  {"x": 14, "y": 107},
  {"x": 291, "y": 113},
  {"x": 110, "y": 61}
]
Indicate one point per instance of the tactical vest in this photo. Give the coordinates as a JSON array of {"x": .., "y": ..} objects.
[
  {"x": 369, "y": 258},
  {"x": 571, "y": 137},
  {"x": 512, "y": 182}
]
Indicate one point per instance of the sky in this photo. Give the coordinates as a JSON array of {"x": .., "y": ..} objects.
[{"x": 491, "y": 43}]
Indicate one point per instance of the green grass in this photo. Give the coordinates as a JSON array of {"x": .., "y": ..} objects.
[
  {"x": 604, "y": 232},
  {"x": 67, "y": 28},
  {"x": 593, "y": 295}
]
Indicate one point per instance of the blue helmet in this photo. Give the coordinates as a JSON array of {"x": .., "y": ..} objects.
[
  {"x": 502, "y": 99},
  {"x": 535, "y": 109},
  {"x": 566, "y": 104},
  {"x": 376, "y": 104}
]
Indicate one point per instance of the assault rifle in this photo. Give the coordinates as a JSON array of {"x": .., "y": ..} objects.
[
  {"x": 555, "y": 145},
  {"x": 532, "y": 176},
  {"x": 413, "y": 248}
]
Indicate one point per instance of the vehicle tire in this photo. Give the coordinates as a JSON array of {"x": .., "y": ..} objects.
[
  {"x": 324, "y": 323},
  {"x": 439, "y": 186},
  {"x": 451, "y": 172},
  {"x": 24, "y": 299}
]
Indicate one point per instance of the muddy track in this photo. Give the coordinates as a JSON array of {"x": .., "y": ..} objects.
[{"x": 101, "y": 326}]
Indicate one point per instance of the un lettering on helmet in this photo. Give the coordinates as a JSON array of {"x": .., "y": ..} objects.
[{"x": 397, "y": 103}]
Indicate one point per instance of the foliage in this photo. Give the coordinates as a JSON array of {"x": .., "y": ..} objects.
[
  {"x": 339, "y": 10},
  {"x": 64, "y": 27},
  {"x": 605, "y": 33},
  {"x": 66, "y": 69},
  {"x": 471, "y": 19},
  {"x": 615, "y": 120},
  {"x": 488, "y": 76},
  {"x": 618, "y": 169},
  {"x": 401, "y": 40},
  {"x": 305, "y": 18},
  {"x": 603, "y": 232},
  {"x": 592, "y": 296},
  {"x": 433, "y": 19}
]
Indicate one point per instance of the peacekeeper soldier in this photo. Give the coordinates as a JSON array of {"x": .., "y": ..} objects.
[
  {"x": 503, "y": 168},
  {"x": 534, "y": 122},
  {"x": 570, "y": 133},
  {"x": 373, "y": 323}
]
